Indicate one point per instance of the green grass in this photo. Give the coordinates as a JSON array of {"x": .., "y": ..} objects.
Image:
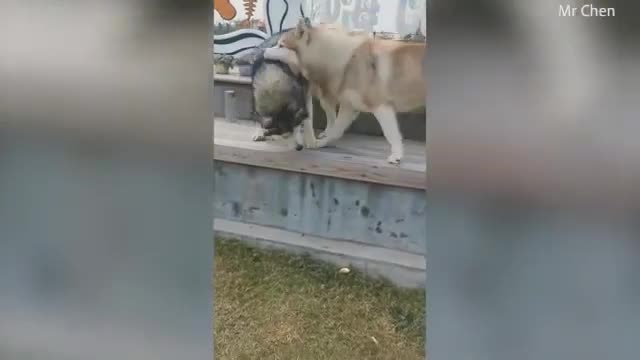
[{"x": 271, "y": 305}]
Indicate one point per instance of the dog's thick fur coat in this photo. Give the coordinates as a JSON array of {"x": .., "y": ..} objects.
[
  {"x": 279, "y": 97},
  {"x": 360, "y": 74}
]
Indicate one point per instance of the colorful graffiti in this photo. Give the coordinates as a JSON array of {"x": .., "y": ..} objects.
[
  {"x": 401, "y": 17},
  {"x": 262, "y": 18},
  {"x": 236, "y": 33},
  {"x": 249, "y": 9},
  {"x": 225, "y": 8},
  {"x": 354, "y": 14}
]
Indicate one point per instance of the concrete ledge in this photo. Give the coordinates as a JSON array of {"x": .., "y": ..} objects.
[
  {"x": 232, "y": 78},
  {"x": 401, "y": 268}
]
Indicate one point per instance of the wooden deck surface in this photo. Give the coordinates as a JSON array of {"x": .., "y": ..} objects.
[{"x": 355, "y": 157}]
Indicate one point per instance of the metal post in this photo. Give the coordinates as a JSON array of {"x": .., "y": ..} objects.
[{"x": 230, "y": 105}]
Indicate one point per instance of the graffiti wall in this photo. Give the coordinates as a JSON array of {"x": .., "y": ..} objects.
[
  {"x": 240, "y": 25},
  {"x": 401, "y": 17}
]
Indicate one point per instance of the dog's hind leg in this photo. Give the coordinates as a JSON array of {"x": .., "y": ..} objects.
[
  {"x": 388, "y": 121},
  {"x": 306, "y": 128},
  {"x": 329, "y": 108}
]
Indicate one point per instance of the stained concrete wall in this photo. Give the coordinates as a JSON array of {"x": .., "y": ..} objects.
[{"x": 328, "y": 207}]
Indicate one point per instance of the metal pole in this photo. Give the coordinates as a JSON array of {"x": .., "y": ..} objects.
[{"x": 230, "y": 105}]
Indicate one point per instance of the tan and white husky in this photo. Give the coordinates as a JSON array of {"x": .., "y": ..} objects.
[{"x": 360, "y": 74}]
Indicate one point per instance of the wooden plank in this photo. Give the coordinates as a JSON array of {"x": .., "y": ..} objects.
[{"x": 354, "y": 157}]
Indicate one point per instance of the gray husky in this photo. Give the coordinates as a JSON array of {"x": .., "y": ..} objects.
[{"x": 279, "y": 95}]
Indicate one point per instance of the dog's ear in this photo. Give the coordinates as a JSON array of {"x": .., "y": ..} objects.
[{"x": 303, "y": 26}]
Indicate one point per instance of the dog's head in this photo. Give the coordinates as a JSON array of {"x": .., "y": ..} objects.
[
  {"x": 298, "y": 37},
  {"x": 287, "y": 119},
  {"x": 269, "y": 121}
]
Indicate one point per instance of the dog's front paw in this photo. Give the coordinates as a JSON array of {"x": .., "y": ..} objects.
[
  {"x": 317, "y": 143},
  {"x": 259, "y": 137},
  {"x": 312, "y": 144},
  {"x": 394, "y": 159}
]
